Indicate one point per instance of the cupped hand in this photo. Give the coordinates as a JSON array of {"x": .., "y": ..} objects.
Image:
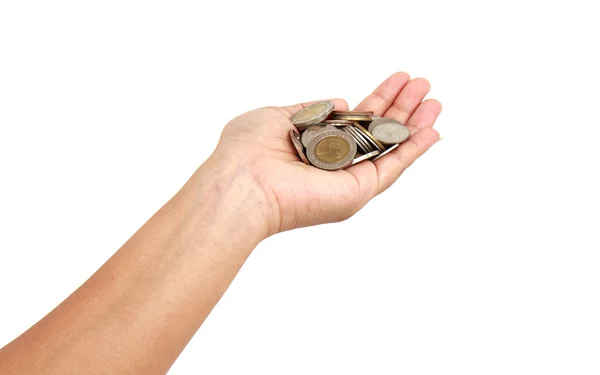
[{"x": 299, "y": 195}]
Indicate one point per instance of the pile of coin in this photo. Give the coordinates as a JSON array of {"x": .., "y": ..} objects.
[{"x": 333, "y": 140}]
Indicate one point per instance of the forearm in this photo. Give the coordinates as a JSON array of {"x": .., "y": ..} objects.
[{"x": 139, "y": 310}]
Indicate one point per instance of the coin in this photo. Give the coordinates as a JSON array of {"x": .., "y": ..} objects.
[
  {"x": 352, "y": 113},
  {"x": 331, "y": 150},
  {"x": 364, "y": 138},
  {"x": 312, "y": 132},
  {"x": 390, "y": 133},
  {"x": 339, "y": 122},
  {"x": 376, "y": 121},
  {"x": 362, "y": 143},
  {"x": 359, "y": 143},
  {"x": 370, "y": 137},
  {"x": 386, "y": 151},
  {"x": 351, "y": 118},
  {"x": 295, "y": 137},
  {"x": 312, "y": 114},
  {"x": 365, "y": 157}
]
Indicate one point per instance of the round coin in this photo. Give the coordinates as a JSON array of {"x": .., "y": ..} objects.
[
  {"x": 331, "y": 150},
  {"x": 312, "y": 132},
  {"x": 386, "y": 151},
  {"x": 371, "y": 139},
  {"x": 295, "y": 137},
  {"x": 365, "y": 157},
  {"x": 376, "y": 121},
  {"x": 391, "y": 133},
  {"x": 312, "y": 114}
]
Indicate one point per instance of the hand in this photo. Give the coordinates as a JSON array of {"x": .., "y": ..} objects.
[
  {"x": 299, "y": 195},
  {"x": 171, "y": 273}
]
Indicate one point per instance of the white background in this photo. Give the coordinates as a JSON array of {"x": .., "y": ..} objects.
[{"x": 483, "y": 259}]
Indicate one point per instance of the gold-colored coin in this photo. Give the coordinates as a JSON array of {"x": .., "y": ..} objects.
[
  {"x": 352, "y": 113},
  {"x": 312, "y": 114},
  {"x": 332, "y": 149},
  {"x": 351, "y": 118}
]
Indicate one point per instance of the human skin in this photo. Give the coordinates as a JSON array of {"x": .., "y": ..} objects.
[{"x": 138, "y": 311}]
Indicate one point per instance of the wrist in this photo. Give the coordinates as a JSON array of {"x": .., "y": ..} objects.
[{"x": 232, "y": 209}]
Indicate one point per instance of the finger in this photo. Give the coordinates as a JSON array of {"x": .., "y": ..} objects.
[
  {"x": 424, "y": 116},
  {"x": 391, "y": 166},
  {"x": 382, "y": 98},
  {"x": 408, "y": 100},
  {"x": 340, "y": 105}
]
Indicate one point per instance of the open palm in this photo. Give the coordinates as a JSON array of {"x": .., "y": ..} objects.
[{"x": 301, "y": 195}]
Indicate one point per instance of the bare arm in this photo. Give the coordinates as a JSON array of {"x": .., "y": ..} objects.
[
  {"x": 140, "y": 309},
  {"x": 137, "y": 312}
]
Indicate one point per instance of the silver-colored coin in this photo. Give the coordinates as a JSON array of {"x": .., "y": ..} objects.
[
  {"x": 331, "y": 150},
  {"x": 372, "y": 140},
  {"x": 378, "y": 121},
  {"x": 364, "y": 138},
  {"x": 386, "y": 151},
  {"x": 339, "y": 122},
  {"x": 365, "y": 157},
  {"x": 374, "y": 118},
  {"x": 312, "y": 114},
  {"x": 312, "y": 131},
  {"x": 390, "y": 132},
  {"x": 364, "y": 146}
]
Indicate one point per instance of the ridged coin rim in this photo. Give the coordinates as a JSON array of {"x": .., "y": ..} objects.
[
  {"x": 374, "y": 140},
  {"x": 363, "y": 144},
  {"x": 295, "y": 137},
  {"x": 365, "y": 139}
]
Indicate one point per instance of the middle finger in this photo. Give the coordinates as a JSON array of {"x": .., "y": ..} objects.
[{"x": 408, "y": 100}]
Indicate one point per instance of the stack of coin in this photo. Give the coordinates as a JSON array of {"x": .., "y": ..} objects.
[{"x": 333, "y": 140}]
